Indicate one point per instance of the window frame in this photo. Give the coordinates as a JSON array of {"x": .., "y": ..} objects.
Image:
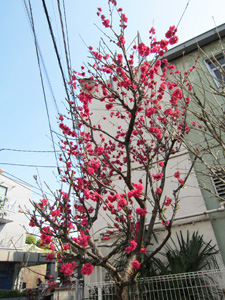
[
  {"x": 211, "y": 62},
  {"x": 218, "y": 184}
]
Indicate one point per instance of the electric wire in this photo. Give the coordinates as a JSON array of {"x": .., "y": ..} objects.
[
  {"x": 42, "y": 59},
  {"x": 67, "y": 34},
  {"x": 42, "y": 82},
  {"x": 26, "y": 165},
  {"x": 31, "y": 151},
  {"x": 57, "y": 31},
  {"x": 24, "y": 183},
  {"x": 64, "y": 40},
  {"x": 67, "y": 57},
  {"x": 55, "y": 47},
  {"x": 183, "y": 13}
]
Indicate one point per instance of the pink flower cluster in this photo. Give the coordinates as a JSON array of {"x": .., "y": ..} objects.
[
  {"x": 157, "y": 177},
  {"x": 82, "y": 240},
  {"x": 168, "y": 201},
  {"x": 170, "y": 34},
  {"x": 67, "y": 269},
  {"x": 50, "y": 256},
  {"x": 46, "y": 238},
  {"x": 136, "y": 265},
  {"x": 143, "y": 50},
  {"x": 137, "y": 192},
  {"x": 87, "y": 269},
  {"x": 177, "y": 175},
  {"x": 132, "y": 247},
  {"x": 141, "y": 211}
]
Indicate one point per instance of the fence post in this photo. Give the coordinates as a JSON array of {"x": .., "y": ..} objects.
[{"x": 99, "y": 293}]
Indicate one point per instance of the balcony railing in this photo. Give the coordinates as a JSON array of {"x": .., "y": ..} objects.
[{"x": 7, "y": 206}]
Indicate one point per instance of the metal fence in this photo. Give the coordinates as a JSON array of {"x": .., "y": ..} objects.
[{"x": 207, "y": 285}]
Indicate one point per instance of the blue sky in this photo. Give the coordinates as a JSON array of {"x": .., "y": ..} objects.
[{"x": 23, "y": 118}]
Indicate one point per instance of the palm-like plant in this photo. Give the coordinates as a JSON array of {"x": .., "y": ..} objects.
[
  {"x": 189, "y": 255},
  {"x": 186, "y": 255}
]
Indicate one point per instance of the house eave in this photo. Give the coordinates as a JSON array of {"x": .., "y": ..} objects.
[{"x": 198, "y": 41}]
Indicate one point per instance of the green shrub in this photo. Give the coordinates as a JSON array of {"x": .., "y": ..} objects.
[
  {"x": 30, "y": 239},
  {"x": 10, "y": 293}
]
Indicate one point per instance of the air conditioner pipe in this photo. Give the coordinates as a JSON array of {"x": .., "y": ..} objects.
[{"x": 204, "y": 213}]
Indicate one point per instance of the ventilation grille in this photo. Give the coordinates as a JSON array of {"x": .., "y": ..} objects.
[{"x": 219, "y": 182}]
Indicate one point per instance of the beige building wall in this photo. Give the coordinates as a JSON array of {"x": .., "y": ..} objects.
[{"x": 29, "y": 276}]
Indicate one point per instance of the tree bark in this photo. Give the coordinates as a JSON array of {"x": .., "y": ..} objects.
[{"x": 122, "y": 293}]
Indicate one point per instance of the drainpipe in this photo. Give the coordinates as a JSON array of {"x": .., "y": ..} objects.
[{"x": 204, "y": 213}]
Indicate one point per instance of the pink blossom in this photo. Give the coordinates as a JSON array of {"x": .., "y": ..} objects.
[
  {"x": 168, "y": 201},
  {"x": 86, "y": 193},
  {"x": 152, "y": 30},
  {"x": 67, "y": 268},
  {"x": 124, "y": 18},
  {"x": 84, "y": 222},
  {"x": 87, "y": 269},
  {"x": 33, "y": 222},
  {"x": 136, "y": 193},
  {"x": 66, "y": 246},
  {"x": 143, "y": 250},
  {"x": 121, "y": 203},
  {"x": 81, "y": 209},
  {"x": 157, "y": 177},
  {"x": 166, "y": 223},
  {"x": 106, "y": 23},
  {"x": 177, "y": 174},
  {"x": 136, "y": 265},
  {"x": 173, "y": 40},
  {"x": 132, "y": 247},
  {"x": 55, "y": 213},
  {"x": 50, "y": 257},
  {"x": 177, "y": 93},
  {"x": 121, "y": 40},
  {"x": 90, "y": 170},
  {"x": 143, "y": 50},
  {"x": 158, "y": 191},
  {"x": 82, "y": 240},
  {"x": 99, "y": 150},
  {"x": 181, "y": 181},
  {"x": 52, "y": 247},
  {"x": 163, "y": 44},
  {"x": 141, "y": 211},
  {"x": 109, "y": 106},
  {"x": 170, "y": 32}
]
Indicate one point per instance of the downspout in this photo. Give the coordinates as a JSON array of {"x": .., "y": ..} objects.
[{"x": 204, "y": 213}]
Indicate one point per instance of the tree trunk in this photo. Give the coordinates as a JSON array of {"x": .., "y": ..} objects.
[{"x": 122, "y": 293}]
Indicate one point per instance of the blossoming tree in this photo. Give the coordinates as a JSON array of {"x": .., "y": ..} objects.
[{"x": 116, "y": 162}]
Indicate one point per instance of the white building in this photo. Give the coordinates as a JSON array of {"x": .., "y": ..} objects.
[
  {"x": 13, "y": 196},
  {"x": 192, "y": 214}
]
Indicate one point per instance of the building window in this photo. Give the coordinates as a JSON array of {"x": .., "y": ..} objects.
[
  {"x": 219, "y": 183},
  {"x": 217, "y": 68}
]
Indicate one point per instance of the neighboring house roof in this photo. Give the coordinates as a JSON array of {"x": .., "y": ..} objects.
[{"x": 198, "y": 41}]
